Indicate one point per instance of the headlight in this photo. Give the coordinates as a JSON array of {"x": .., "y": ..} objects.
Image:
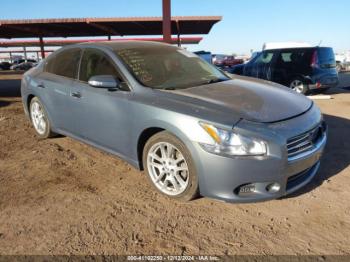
[{"x": 230, "y": 143}]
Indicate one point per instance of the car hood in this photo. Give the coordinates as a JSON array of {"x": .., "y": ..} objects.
[{"x": 251, "y": 99}]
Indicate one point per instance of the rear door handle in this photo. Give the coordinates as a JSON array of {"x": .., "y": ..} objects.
[
  {"x": 41, "y": 85},
  {"x": 76, "y": 94}
]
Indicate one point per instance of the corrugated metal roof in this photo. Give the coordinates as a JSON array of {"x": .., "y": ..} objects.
[{"x": 122, "y": 26}]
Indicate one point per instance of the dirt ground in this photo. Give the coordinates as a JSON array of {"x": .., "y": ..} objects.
[{"x": 60, "y": 196}]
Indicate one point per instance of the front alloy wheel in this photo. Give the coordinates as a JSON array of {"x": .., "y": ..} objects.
[{"x": 169, "y": 167}]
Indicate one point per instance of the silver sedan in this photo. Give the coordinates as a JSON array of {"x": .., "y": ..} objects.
[{"x": 193, "y": 129}]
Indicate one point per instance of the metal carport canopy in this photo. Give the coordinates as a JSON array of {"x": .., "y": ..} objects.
[
  {"x": 33, "y": 43},
  {"x": 125, "y": 26}
]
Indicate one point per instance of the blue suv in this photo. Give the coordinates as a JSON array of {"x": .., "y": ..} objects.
[{"x": 301, "y": 69}]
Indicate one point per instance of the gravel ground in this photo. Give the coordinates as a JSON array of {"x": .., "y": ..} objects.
[{"x": 60, "y": 196}]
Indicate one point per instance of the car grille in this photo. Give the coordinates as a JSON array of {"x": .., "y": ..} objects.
[{"x": 306, "y": 141}]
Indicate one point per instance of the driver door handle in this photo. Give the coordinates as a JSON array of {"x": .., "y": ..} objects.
[{"x": 76, "y": 94}]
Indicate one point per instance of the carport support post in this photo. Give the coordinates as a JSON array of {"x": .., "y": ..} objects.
[
  {"x": 25, "y": 53},
  {"x": 42, "y": 49},
  {"x": 178, "y": 33},
  {"x": 11, "y": 58},
  {"x": 167, "y": 21}
]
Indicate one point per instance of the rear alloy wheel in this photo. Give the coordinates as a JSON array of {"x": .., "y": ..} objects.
[
  {"x": 169, "y": 167},
  {"x": 299, "y": 86},
  {"x": 39, "y": 119}
]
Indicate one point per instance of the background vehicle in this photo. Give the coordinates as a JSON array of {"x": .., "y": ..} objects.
[
  {"x": 5, "y": 66},
  {"x": 218, "y": 60},
  {"x": 223, "y": 61},
  {"x": 23, "y": 66},
  {"x": 343, "y": 61},
  {"x": 20, "y": 61},
  {"x": 301, "y": 69}
]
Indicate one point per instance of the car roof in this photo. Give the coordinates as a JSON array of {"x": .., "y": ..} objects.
[
  {"x": 297, "y": 48},
  {"x": 114, "y": 45}
]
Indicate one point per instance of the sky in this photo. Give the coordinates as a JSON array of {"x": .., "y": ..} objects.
[{"x": 246, "y": 24}]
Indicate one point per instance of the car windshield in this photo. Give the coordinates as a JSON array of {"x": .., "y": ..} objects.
[{"x": 167, "y": 67}]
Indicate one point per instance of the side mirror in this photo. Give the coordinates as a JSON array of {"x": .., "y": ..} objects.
[{"x": 104, "y": 81}]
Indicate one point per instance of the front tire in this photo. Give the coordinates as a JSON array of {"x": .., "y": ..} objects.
[
  {"x": 299, "y": 86},
  {"x": 170, "y": 168},
  {"x": 39, "y": 119}
]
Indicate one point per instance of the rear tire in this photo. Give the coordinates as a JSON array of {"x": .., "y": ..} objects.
[
  {"x": 39, "y": 119},
  {"x": 170, "y": 168},
  {"x": 299, "y": 86}
]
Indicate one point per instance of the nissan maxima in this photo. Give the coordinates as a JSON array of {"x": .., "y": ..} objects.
[{"x": 192, "y": 128}]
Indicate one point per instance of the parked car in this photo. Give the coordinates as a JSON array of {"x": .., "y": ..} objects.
[
  {"x": 224, "y": 61},
  {"x": 342, "y": 61},
  {"x": 191, "y": 127},
  {"x": 5, "y": 66},
  {"x": 342, "y": 66},
  {"x": 20, "y": 61},
  {"x": 232, "y": 61},
  {"x": 301, "y": 69},
  {"x": 23, "y": 66}
]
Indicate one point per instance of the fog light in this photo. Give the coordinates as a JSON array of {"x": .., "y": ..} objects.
[
  {"x": 273, "y": 188},
  {"x": 246, "y": 189}
]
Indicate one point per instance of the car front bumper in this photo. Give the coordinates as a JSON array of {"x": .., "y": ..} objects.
[{"x": 250, "y": 179}]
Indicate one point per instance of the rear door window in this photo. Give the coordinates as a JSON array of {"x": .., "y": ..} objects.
[
  {"x": 65, "y": 63},
  {"x": 94, "y": 63}
]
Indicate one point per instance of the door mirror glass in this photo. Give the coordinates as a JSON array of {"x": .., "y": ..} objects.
[{"x": 104, "y": 81}]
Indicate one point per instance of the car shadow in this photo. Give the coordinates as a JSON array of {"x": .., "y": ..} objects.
[
  {"x": 4, "y": 103},
  {"x": 336, "y": 156},
  {"x": 10, "y": 88}
]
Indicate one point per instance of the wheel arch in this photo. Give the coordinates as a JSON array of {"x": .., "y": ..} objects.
[
  {"x": 29, "y": 99},
  {"x": 142, "y": 140},
  {"x": 26, "y": 104},
  {"x": 151, "y": 130},
  {"x": 307, "y": 80}
]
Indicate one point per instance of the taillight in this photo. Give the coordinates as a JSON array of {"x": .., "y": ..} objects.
[{"x": 314, "y": 59}]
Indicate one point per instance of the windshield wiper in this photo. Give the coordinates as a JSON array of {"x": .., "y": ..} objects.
[
  {"x": 211, "y": 81},
  {"x": 206, "y": 82}
]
